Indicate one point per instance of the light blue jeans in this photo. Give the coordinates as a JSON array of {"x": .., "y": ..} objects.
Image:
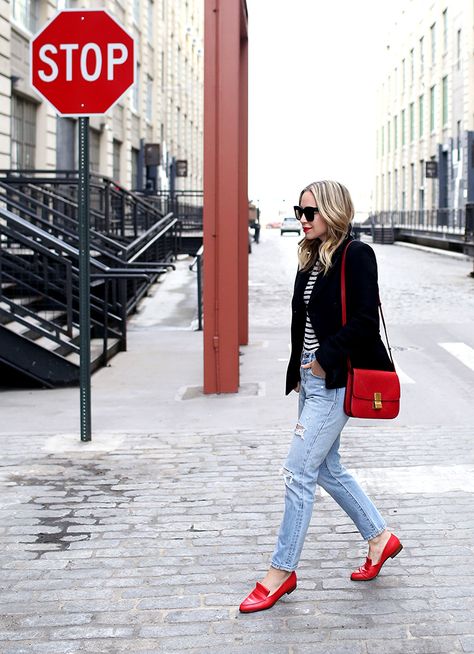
[{"x": 314, "y": 459}]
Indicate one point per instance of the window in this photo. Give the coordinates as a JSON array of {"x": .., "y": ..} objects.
[
  {"x": 23, "y": 133},
  {"x": 403, "y": 188},
  {"x": 65, "y": 143},
  {"x": 444, "y": 110},
  {"x": 135, "y": 180},
  {"x": 412, "y": 184},
  {"x": 136, "y": 11},
  {"x": 412, "y": 121},
  {"x": 135, "y": 97},
  {"x": 412, "y": 66},
  {"x": 421, "y": 114},
  {"x": 116, "y": 160},
  {"x": 432, "y": 109},
  {"x": 433, "y": 43},
  {"x": 458, "y": 50},
  {"x": 382, "y": 140},
  {"x": 458, "y": 139},
  {"x": 445, "y": 30},
  {"x": 395, "y": 132},
  {"x": 403, "y": 127},
  {"x": 395, "y": 189},
  {"x": 395, "y": 82},
  {"x": 94, "y": 144},
  {"x": 150, "y": 21},
  {"x": 25, "y": 13},
  {"x": 403, "y": 75},
  {"x": 388, "y": 136},
  {"x": 149, "y": 98},
  {"x": 422, "y": 56}
]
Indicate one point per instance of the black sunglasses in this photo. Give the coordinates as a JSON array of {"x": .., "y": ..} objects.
[{"x": 308, "y": 213}]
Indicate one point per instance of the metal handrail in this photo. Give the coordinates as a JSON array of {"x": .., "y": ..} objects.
[{"x": 198, "y": 261}]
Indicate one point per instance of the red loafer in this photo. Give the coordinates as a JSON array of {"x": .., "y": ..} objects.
[
  {"x": 260, "y": 598},
  {"x": 368, "y": 570}
]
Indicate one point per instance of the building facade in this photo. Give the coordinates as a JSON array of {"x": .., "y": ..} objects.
[
  {"x": 425, "y": 108},
  {"x": 164, "y": 107}
]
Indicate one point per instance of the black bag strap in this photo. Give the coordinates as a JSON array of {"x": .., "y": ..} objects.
[{"x": 344, "y": 307}]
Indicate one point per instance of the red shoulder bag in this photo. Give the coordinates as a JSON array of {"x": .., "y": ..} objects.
[{"x": 369, "y": 393}]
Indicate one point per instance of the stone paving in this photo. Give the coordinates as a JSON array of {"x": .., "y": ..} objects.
[{"x": 146, "y": 543}]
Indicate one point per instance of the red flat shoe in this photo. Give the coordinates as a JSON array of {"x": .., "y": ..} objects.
[
  {"x": 368, "y": 570},
  {"x": 260, "y": 598}
]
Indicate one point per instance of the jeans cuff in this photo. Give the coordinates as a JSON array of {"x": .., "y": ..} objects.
[
  {"x": 377, "y": 533},
  {"x": 279, "y": 567}
]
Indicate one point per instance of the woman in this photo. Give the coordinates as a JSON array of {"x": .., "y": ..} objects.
[{"x": 317, "y": 370}]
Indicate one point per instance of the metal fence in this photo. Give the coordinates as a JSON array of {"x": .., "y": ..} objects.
[{"x": 432, "y": 220}]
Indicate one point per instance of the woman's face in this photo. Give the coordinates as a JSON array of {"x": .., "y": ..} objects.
[{"x": 317, "y": 228}]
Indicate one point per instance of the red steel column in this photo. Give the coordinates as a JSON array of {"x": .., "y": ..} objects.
[
  {"x": 243, "y": 182},
  {"x": 223, "y": 194}
]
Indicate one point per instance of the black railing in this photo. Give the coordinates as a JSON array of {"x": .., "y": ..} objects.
[
  {"x": 440, "y": 221},
  {"x": 197, "y": 266},
  {"x": 115, "y": 212},
  {"x": 39, "y": 286},
  {"x": 186, "y": 206}
]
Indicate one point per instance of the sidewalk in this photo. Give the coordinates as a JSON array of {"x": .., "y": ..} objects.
[{"x": 147, "y": 539}]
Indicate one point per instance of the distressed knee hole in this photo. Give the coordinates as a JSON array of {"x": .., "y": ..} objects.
[
  {"x": 300, "y": 430},
  {"x": 287, "y": 475}
]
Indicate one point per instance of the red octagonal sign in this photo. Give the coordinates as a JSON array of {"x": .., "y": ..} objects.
[{"x": 82, "y": 62}]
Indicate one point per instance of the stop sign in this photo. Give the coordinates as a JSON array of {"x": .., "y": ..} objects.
[{"x": 82, "y": 62}]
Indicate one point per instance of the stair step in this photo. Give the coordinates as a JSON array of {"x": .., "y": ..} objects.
[{"x": 96, "y": 350}]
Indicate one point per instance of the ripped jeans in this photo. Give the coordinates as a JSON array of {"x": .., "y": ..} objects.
[{"x": 314, "y": 459}]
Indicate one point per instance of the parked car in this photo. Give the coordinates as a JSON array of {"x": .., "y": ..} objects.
[
  {"x": 276, "y": 224},
  {"x": 290, "y": 225}
]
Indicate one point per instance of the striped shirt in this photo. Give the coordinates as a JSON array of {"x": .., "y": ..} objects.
[{"x": 310, "y": 343}]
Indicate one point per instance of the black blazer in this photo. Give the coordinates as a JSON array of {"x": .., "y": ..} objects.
[{"x": 360, "y": 337}]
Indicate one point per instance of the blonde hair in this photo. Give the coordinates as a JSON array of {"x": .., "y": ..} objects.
[{"x": 336, "y": 209}]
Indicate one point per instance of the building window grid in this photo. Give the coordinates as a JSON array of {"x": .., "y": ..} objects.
[
  {"x": 136, "y": 11},
  {"x": 458, "y": 50},
  {"x": 422, "y": 56},
  {"x": 445, "y": 30},
  {"x": 23, "y": 139},
  {"x": 149, "y": 98},
  {"x": 458, "y": 140},
  {"x": 433, "y": 43},
  {"x": 432, "y": 109},
  {"x": 25, "y": 14},
  {"x": 444, "y": 100},
  {"x": 150, "y": 30},
  {"x": 421, "y": 114}
]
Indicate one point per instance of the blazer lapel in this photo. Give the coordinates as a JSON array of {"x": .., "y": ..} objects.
[{"x": 322, "y": 280}]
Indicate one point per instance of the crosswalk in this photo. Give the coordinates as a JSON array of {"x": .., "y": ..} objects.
[{"x": 462, "y": 352}]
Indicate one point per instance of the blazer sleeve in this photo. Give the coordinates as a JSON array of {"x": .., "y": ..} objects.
[{"x": 362, "y": 299}]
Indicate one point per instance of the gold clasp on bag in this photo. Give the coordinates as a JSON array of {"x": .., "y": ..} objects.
[{"x": 377, "y": 401}]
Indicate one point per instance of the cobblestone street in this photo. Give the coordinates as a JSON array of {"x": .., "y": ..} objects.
[{"x": 147, "y": 541}]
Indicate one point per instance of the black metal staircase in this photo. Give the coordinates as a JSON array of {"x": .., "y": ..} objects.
[{"x": 39, "y": 276}]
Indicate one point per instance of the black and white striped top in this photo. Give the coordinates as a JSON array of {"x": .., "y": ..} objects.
[{"x": 310, "y": 343}]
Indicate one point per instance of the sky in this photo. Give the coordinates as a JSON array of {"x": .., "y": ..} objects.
[{"x": 314, "y": 67}]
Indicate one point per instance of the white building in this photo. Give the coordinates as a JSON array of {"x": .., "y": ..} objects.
[
  {"x": 164, "y": 107},
  {"x": 426, "y": 108}
]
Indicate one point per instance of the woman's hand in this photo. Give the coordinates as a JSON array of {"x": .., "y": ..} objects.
[
  {"x": 315, "y": 368},
  {"x": 297, "y": 387}
]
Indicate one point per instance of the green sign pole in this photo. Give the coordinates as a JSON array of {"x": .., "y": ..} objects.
[{"x": 84, "y": 281}]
